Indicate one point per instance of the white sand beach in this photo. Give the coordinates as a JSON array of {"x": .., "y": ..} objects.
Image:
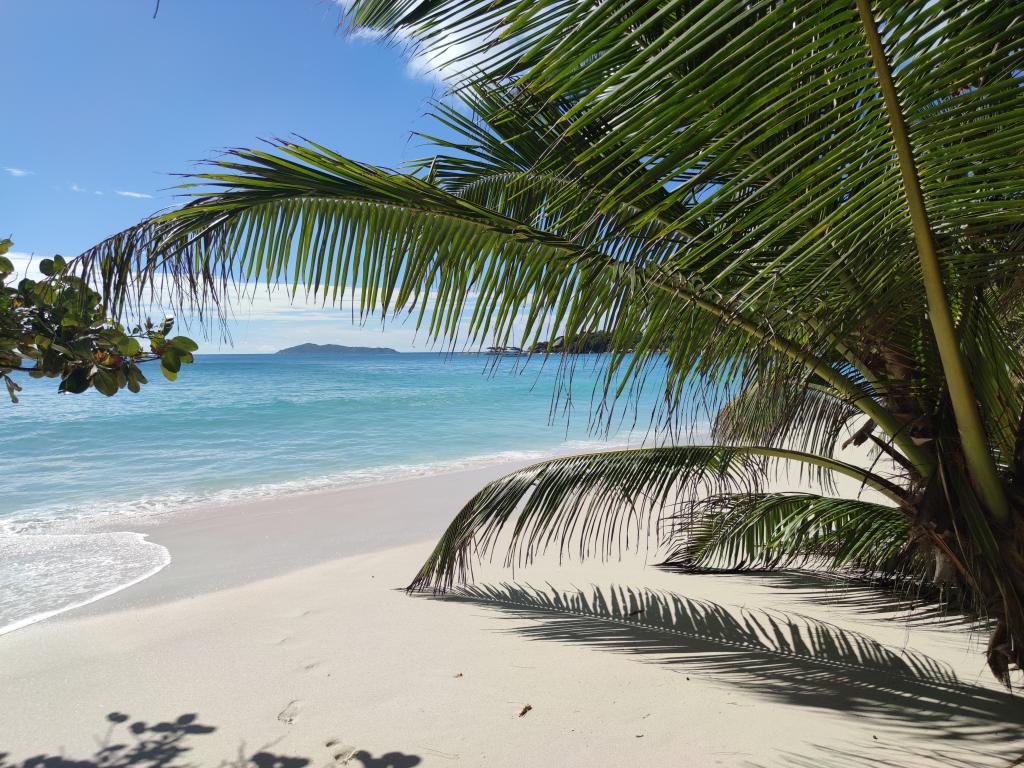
[
  {"x": 285, "y": 286},
  {"x": 279, "y": 632}
]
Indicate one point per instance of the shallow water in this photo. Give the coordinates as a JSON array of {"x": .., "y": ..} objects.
[{"x": 235, "y": 427}]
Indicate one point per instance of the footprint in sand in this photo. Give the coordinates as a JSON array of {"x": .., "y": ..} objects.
[
  {"x": 289, "y": 713},
  {"x": 340, "y": 753}
]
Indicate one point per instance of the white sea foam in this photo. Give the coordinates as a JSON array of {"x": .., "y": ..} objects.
[
  {"x": 82, "y": 518},
  {"x": 42, "y": 575}
]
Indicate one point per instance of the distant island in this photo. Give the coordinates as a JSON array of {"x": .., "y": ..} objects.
[
  {"x": 335, "y": 349},
  {"x": 578, "y": 344}
]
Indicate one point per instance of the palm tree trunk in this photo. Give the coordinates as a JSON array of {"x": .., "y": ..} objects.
[{"x": 980, "y": 463}]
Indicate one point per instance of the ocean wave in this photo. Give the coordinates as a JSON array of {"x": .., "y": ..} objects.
[
  {"x": 43, "y": 575},
  {"x": 85, "y": 517}
]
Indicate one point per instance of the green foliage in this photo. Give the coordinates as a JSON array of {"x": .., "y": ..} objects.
[
  {"x": 814, "y": 207},
  {"x": 58, "y": 328},
  {"x": 784, "y": 530},
  {"x": 588, "y": 504}
]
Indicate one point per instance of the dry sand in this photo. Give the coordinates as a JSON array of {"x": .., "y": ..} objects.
[{"x": 279, "y": 633}]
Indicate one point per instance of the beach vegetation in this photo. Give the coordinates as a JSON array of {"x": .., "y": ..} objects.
[
  {"x": 813, "y": 210},
  {"x": 58, "y": 328}
]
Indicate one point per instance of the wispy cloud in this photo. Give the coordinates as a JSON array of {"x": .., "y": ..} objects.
[
  {"x": 18, "y": 171},
  {"x": 124, "y": 193},
  {"x": 76, "y": 188}
]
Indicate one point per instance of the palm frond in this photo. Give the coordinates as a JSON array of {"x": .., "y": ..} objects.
[
  {"x": 770, "y": 530},
  {"x": 778, "y": 406},
  {"x": 327, "y": 225},
  {"x": 757, "y": 134},
  {"x": 594, "y": 502}
]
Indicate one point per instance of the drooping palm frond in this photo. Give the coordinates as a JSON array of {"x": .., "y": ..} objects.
[
  {"x": 771, "y": 530},
  {"x": 594, "y": 502},
  {"x": 326, "y": 224},
  {"x": 311, "y": 218},
  {"x": 997, "y": 371},
  {"x": 769, "y": 410}
]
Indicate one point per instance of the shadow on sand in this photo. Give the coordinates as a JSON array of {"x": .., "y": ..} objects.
[
  {"x": 782, "y": 657},
  {"x": 866, "y": 598},
  {"x": 137, "y": 744}
]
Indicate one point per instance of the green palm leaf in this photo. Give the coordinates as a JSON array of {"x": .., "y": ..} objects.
[
  {"x": 594, "y": 500},
  {"x": 778, "y": 122},
  {"x": 848, "y": 172},
  {"x": 332, "y": 224},
  {"x": 782, "y": 530}
]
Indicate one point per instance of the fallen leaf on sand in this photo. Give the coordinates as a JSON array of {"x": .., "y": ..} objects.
[{"x": 525, "y": 709}]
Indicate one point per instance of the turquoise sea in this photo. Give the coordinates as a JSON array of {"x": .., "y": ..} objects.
[{"x": 234, "y": 427}]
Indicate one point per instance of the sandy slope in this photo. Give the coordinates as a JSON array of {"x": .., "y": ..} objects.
[{"x": 331, "y": 664}]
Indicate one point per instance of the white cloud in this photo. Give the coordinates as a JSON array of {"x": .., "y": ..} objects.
[
  {"x": 258, "y": 320},
  {"x": 361, "y": 33},
  {"x": 76, "y": 188},
  {"x": 123, "y": 193},
  {"x": 276, "y": 303},
  {"x": 433, "y": 62},
  {"x": 18, "y": 172},
  {"x": 263, "y": 323}
]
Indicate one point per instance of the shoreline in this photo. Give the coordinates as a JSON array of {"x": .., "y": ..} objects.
[
  {"x": 195, "y": 537},
  {"x": 281, "y": 629},
  {"x": 152, "y": 526},
  {"x": 142, "y": 511}
]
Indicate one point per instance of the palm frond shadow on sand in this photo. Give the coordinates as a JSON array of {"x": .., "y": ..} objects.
[
  {"x": 865, "y": 598},
  {"x": 778, "y": 656}
]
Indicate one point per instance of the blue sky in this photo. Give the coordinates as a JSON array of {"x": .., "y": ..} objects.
[{"x": 102, "y": 103}]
